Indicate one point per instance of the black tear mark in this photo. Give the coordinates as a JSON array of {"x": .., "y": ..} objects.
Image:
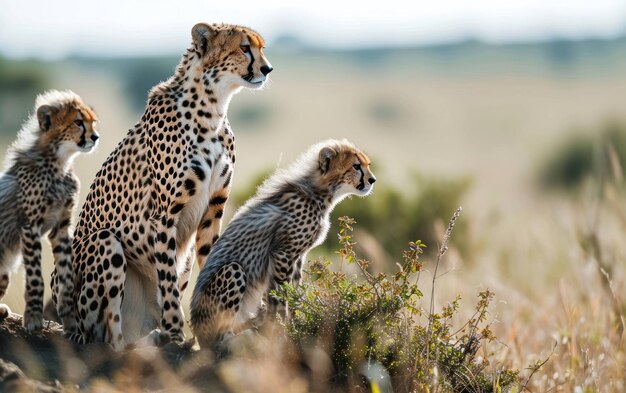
[
  {"x": 361, "y": 185},
  {"x": 248, "y": 77},
  {"x": 47, "y": 123},
  {"x": 82, "y": 141}
]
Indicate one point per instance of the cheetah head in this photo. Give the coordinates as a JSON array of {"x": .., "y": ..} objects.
[
  {"x": 346, "y": 169},
  {"x": 67, "y": 123},
  {"x": 230, "y": 56}
]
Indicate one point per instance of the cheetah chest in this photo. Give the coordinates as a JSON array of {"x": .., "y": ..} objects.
[{"x": 57, "y": 198}]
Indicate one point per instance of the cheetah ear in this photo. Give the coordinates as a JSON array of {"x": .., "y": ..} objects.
[
  {"x": 44, "y": 116},
  {"x": 201, "y": 34},
  {"x": 326, "y": 154}
]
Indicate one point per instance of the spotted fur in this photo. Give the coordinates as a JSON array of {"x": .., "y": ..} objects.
[
  {"x": 38, "y": 191},
  {"x": 268, "y": 239},
  {"x": 162, "y": 192}
]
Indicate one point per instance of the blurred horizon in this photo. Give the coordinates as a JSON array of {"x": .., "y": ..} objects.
[
  {"x": 42, "y": 30},
  {"x": 291, "y": 43}
]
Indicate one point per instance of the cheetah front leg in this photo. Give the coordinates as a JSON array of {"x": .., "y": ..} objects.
[
  {"x": 8, "y": 259},
  {"x": 4, "y": 283},
  {"x": 183, "y": 278},
  {"x": 63, "y": 277},
  {"x": 296, "y": 277},
  {"x": 101, "y": 288},
  {"x": 169, "y": 294},
  {"x": 282, "y": 272},
  {"x": 5, "y": 311},
  {"x": 211, "y": 224},
  {"x": 31, "y": 253}
]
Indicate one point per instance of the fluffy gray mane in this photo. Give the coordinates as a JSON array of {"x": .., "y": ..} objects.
[
  {"x": 29, "y": 134},
  {"x": 301, "y": 171}
]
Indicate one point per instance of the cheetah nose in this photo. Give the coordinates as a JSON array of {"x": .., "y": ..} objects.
[
  {"x": 94, "y": 137},
  {"x": 266, "y": 70},
  {"x": 371, "y": 180}
]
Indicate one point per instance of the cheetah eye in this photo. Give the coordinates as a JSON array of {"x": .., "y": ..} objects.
[
  {"x": 356, "y": 166},
  {"x": 78, "y": 122},
  {"x": 245, "y": 48}
]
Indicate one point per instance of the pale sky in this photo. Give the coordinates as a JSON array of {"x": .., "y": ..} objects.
[{"x": 57, "y": 28}]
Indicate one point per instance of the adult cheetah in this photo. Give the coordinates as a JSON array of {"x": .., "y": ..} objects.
[
  {"x": 162, "y": 190},
  {"x": 267, "y": 241},
  {"x": 38, "y": 191}
]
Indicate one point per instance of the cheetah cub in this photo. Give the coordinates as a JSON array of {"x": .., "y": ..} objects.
[
  {"x": 38, "y": 190},
  {"x": 267, "y": 241}
]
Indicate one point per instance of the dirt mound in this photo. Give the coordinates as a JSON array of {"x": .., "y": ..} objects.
[
  {"x": 47, "y": 362},
  {"x": 12, "y": 379}
]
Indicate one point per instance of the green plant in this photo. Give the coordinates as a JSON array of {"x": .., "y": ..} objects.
[
  {"x": 585, "y": 154},
  {"x": 396, "y": 216},
  {"x": 20, "y": 76},
  {"x": 20, "y": 82},
  {"x": 364, "y": 319},
  {"x": 251, "y": 114}
]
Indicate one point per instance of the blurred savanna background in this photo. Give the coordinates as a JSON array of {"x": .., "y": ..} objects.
[{"x": 515, "y": 111}]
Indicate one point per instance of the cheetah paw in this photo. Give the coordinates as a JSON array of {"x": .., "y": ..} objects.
[
  {"x": 5, "y": 311},
  {"x": 33, "y": 321},
  {"x": 69, "y": 325},
  {"x": 178, "y": 337}
]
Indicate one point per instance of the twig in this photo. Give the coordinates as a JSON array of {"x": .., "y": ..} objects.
[
  {"x": 465, "y": 324},
  {"x": 616, "y": 303},
  {"x": 603, "y": 266},
  {"x": 442, "y": 250},
  {"x": 370, "y": 279},
  {"x": 605, "y": 278},
  {"x": 446, "y": 272},
  {"x": 536, "y": 368}
]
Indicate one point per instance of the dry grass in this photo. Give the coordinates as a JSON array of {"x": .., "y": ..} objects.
[{"x": 556, "y": 301}]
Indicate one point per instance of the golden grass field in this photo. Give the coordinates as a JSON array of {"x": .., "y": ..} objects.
[{"x": 533, "y": 248}]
